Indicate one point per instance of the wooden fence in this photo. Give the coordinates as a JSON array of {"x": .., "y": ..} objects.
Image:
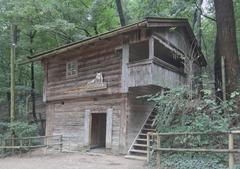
[
  {"x": 29, "y": 143},
  {"x": 158, "y": 149}
]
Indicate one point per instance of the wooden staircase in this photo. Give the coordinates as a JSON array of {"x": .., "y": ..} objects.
[{"x": 138, "y": 149}]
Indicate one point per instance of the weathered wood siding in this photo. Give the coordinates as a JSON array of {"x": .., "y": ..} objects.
[
  {"x": 139, "y": 109},
  {"x": 68, "y": 118},
  {"x": 99, "y": 58},
  {"x": 153, "y": 72},
  {"x": 69, "y": 109}
]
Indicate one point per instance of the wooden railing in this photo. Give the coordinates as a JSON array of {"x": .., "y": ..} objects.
[
  {"x": 158, "y": 149},
  {"x": 154, "y": 72},
  {"x": 29, "y": 143}
]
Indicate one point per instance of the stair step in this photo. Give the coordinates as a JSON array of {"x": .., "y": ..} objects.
[
  {"x": 148, "y": 129},
  {"x": 150, "y": 119},
  {"x": 134, "y": 157},
  {"x": 142, "y": 139},
  {"x": 140, "y": 145},
  {"x": 149, "y": 124},
  {"x": 143, "y": 135},
  {"x": 138, "y": 151}
]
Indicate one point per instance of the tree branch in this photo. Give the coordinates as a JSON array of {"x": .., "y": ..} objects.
[{"x": 204, "y": 15}]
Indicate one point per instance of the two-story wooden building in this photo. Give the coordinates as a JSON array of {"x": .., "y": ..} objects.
[{"x": 90, "y": 87}]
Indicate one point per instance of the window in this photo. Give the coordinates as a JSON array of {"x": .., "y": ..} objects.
[{"x": 71, "y": 69}]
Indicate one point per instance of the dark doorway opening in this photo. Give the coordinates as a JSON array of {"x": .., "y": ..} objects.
[{"x": 98, "y": 130}]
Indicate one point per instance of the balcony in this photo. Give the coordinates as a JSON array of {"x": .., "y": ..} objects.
[{"x": 154, "y": 72}]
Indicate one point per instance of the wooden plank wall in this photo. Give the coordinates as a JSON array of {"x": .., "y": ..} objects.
[
  {"x": 166, "y": 78},
  {"x": 68, "y": 118},
  {"x": 90, "y": 61},
  {"x": 138, "y": 110}
]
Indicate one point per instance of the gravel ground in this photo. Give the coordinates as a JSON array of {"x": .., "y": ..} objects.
[{"x": 70, "y": 161}]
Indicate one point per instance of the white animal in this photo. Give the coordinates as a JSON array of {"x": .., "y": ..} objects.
[{"x": 97, "y": 79}]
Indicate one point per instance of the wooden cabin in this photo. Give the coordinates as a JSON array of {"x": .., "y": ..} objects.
[{"x": 90, "y": 86}]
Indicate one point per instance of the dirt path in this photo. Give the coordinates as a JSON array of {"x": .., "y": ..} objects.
[{"x": 71, "y": 161}]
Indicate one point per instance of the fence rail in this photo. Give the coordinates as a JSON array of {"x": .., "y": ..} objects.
[
  {"x": 158, "y": 149},
  {"x": 30, "y": 143}
]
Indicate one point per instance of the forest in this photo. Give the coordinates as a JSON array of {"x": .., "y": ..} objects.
[{"x": 29, "y": 27}]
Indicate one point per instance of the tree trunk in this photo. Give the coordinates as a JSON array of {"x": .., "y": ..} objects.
[
  {"x": 226, "y": 46},
  {"x": 13, "y": 73},
  {"x": 33, "y": 93},
  {"x": 120, "y": 12},
  {"x": 31, "y": 36},
  {"x": 197, "y": 21}
]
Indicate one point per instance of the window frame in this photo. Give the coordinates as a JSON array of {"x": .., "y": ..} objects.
[{"x": 71, "y": 63}]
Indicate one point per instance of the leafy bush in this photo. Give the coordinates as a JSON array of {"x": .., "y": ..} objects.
[
  {"x": 177, "y": 161},
  {"x": 20, "y": 129},
  {"x": 180, "y": 110},
  {"x": 177, "y": 111}
]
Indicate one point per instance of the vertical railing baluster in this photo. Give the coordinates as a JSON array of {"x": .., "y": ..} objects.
[{"x": 148, "y": 147}]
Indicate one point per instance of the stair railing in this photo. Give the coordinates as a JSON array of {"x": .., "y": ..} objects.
[{"x": 141, "y": 129}]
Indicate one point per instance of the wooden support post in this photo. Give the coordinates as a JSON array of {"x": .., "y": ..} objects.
[
  {"x": 125, "y": 60},
  {"x": 12, "y": 143},
  {"x": 231, "y": 147},
  {"x": 29, "y": 145},
  {"x": 60, "y": 143},
  {"x": 158, "y": 151},
  {"x": 151, "y": 48},
  {"x": 20, "y": 149},
  {"x": 3, "y": 144},
  {"x": 148, "y": 147},
  {"x": 87, "y": 128},
  {"x": 109, "y": 128},
  {"x": 46, "y": 142}
]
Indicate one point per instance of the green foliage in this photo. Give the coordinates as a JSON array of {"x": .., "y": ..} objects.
[
  {"x": 177, "y": 112},
  {"x": 20, "y": 129},
  {"x": 179, "y": 161}
]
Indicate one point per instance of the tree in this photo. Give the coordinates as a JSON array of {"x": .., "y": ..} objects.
[
  {"x": 197, "y": 20},
  {"x": 226, "y": 46},
  {"x": 120, "y": 12}
]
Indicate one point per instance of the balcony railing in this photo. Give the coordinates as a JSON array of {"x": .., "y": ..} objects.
[{"x": 154, "y": 72}]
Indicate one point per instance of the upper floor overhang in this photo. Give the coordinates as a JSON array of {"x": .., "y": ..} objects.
[{"x": 148, "y": 23}]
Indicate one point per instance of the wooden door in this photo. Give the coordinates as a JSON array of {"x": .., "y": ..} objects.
[{"x": 98, "y": 130}]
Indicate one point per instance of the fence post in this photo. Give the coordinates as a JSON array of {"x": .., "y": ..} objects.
[
  {"x": 148, "y": 147},
  {"x": 60, "y": 143},
  {"x": 3, "y": 144},
  {"x": 46, "y": 142},
  {"x": 30, "y": 148},
  {"x": 21, "y": 144},
  {"x": 230, "y": 147},
  {"x": 158, "y": 151}
]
